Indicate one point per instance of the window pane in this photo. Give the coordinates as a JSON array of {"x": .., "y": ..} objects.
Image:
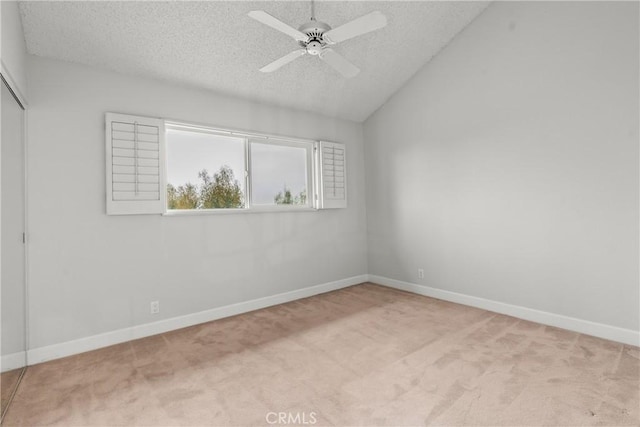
[
  {"x": 278, "y": 174},
  {"x": 204, "y": 171}
]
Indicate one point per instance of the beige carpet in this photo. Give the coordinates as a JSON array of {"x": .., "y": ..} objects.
[
  {"x": 8, "y": 382},
  {"x": 365, "y": 355}
]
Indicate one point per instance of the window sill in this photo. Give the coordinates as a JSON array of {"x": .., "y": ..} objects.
[{"x": 199, "y": 212}]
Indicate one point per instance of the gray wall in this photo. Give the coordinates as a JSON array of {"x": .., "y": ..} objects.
[
  {"x": 92, "y": 273},
  {"x": 12, "y": 291},
  {"x": 12, "y": 45},
  {"x": 507, "y": 168}
]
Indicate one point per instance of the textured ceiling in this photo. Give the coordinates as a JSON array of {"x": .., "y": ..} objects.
[{"x": 215, "y": 45}]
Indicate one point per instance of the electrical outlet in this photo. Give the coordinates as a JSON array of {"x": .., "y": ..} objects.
[
  {"x": 420, "y": 273},
  {"x": 155, "y": 307}
]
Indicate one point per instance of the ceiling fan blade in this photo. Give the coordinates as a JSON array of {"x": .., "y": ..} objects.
[
  {"x": 266, "y": 19},
  {"x": 359, "y": 26},
  {"x": 283, "y": 61},
  {"x": 338, "y": 62}
]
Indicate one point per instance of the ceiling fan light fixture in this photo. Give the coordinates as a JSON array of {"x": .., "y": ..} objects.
[{"x": 314, "y": 48}]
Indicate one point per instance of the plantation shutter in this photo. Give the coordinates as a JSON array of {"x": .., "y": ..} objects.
[
  {"x": 333, "y": 175},
  {"x": 135, "y": 165}
]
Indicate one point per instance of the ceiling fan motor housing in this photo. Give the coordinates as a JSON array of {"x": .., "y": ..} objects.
[{"x": 314, "y": 30}]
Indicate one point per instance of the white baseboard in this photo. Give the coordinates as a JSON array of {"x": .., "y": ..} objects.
[
  {"x": 69, "y": 348},
  {"x": 12, "y": 361},
  {"x": 613, "y": 333},
  {"x": 56, "y": 351}
]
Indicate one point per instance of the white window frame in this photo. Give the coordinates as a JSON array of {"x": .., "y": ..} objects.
[{"x": 310, "y": 145}]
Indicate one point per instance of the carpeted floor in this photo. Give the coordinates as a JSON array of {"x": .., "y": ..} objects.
[
  {"x": 365, "y": 355},
  {"x": 8, "y": 382}
]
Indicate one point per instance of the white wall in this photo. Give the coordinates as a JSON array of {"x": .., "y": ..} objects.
[
  {"x": 12, "y": 60},
  {"x": 12, "y": 46},
  {"x": 12, "y": 291},
  {"x": 507, "y": 168},
  {"x": 91, "y": 273}
]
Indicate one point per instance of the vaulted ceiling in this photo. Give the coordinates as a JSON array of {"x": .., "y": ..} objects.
[{"x": 215, "y": 45}]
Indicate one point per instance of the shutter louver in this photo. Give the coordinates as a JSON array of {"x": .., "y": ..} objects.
[
  {"x": 135, "y": 165},
  {"x": 333, "y": 179}
]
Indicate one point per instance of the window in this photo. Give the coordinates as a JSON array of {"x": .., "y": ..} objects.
[
  {"x": 205, "y": 171},
  {"x": 155, "y": 166},
  {"x": 280, "y": 173}
]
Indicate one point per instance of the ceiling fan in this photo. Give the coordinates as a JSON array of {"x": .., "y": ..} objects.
[{"x": 315, "y": 37}]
